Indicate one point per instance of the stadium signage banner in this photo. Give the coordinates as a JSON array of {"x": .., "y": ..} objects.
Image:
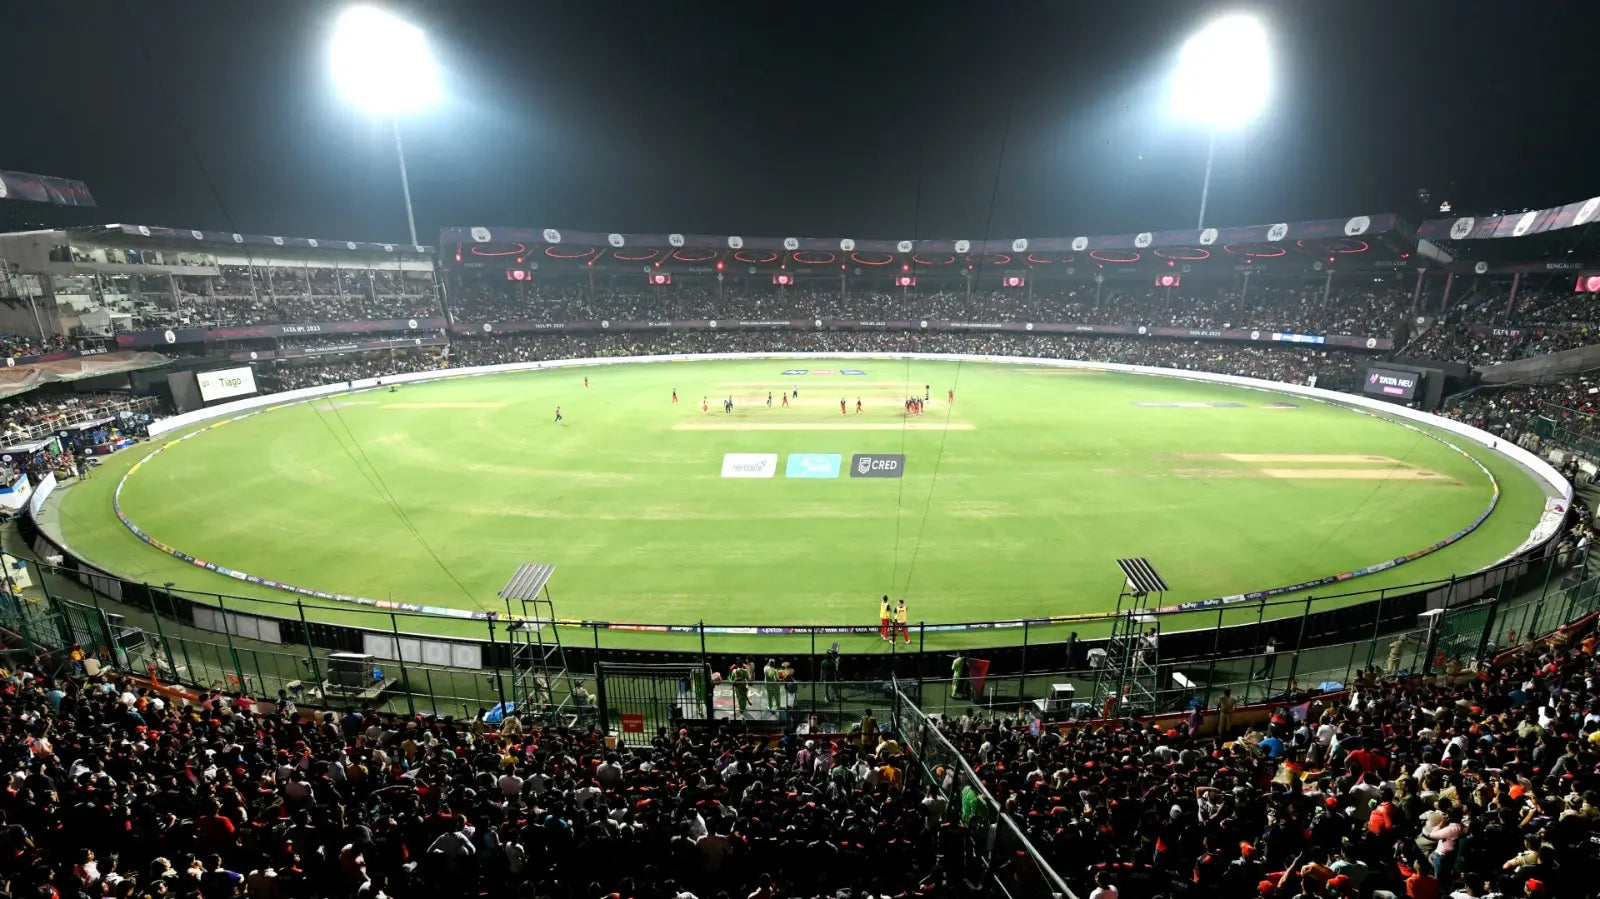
[
  {"x": 812, "y": 465},
  {"x": 1351, "y": 341},
  {"x": 354, "y": 346},
  {"x": 864, "y": 465},
  {"x": 749, "y": 465},
  {"x": 225, "y": 383},
  {"x": 1388, "y": 383},
  {"x": 204, "y": 335}
]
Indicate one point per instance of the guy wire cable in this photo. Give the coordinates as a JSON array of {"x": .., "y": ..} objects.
[{"x": 994, "y": 193}]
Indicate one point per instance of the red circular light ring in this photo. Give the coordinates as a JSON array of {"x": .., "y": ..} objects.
[
  {"x": 1100, "y": 255},
  {"x": 769, "y": 257},
  {"x": 1338, "y": 245},
  {"x": 999, "y": 259},
  {"x": 1240, "y": 249},
  {"x": 919, "y": 259},
  {"x": 709, "y": 255},
  {"x": 1188, "y": 253},
  {"x": 551, "y": 252},
  {"x": 1040, "y": 260},
  {"x": 887, "y": 259},
  {"x": 814, "y": 257},
  {"x": 520, "y": 249},
  {"x": 617, "y": 255}
]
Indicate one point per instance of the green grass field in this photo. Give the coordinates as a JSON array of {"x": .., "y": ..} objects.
[{"x": 1015, "y": 501}]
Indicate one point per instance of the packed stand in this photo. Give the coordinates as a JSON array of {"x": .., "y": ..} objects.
[
  {"x": 1298, "y": 307},
  {"x": 118, "y": 790},
  {"x": 254, "y": 296},
  {"x": 16, "y": 345},
  {"x": 1467, "y": 786},
  {"x": 334, "y": 369},
  {"x": 1570, "y": 403},
  {"x": 1484, "y": 328},
  {"x": 1333, "y": 369}
]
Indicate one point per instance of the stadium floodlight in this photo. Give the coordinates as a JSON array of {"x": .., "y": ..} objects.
[
  {"x": 1223, "y": 80},
  {"x": 382, "y": 65}
]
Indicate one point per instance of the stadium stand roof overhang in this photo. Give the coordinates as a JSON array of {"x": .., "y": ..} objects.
[
  {"x": 1357, "y": 243},
  {"x": 1534, "y": 240},
  {"x": 156, "y": 236}
]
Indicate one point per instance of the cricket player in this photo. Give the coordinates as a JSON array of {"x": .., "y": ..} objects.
[
  {"x": 884, "y": 617},
  {"x": 902, "y": 617},
  {"x": 858, "y": 405},
  {"x": 558, "y": 415},
  {"x": 674, "y": 394}
]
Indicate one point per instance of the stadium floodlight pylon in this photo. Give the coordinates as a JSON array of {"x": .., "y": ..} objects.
[
  {"x": 1223, "y": 79},
  {"x": 540, "y": 681},
  {"x": 1128, "y": 679}
]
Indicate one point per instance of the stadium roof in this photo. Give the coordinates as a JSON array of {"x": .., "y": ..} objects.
[
  {"x": 182, "y": 237},
  {"x": 1311, "y": 243}
]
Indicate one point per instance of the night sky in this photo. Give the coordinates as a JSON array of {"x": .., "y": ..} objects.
[{"x": 820, "y": 119}]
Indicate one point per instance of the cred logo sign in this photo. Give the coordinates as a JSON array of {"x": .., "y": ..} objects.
[{"x": 872, "y": 466}]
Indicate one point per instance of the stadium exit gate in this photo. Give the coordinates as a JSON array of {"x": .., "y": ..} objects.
[{"x": 634, "y": 700}]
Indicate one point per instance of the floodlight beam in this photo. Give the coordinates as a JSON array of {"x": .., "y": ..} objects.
[
  {"x": 1205, "y": 185},
  {"x": 411, "y": 219},
  {"x": 382, "y": 65}
]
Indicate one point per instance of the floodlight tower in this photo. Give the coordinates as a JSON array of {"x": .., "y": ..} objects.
[
  {"x": 1223, "y": 79},
  {"x": 382, "y": 66}
]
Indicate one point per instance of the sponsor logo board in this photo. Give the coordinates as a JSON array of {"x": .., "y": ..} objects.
[
  {"x": 851, "y": 371},
  {"x": 873, "y": 465},
  {"x": 812, "y": 465},
  {"x": 793, "y": 372},
  {"x": 749, "y": 465}
]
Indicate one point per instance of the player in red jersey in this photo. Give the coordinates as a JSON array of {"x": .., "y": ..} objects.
[
  {"x": 586, "y": 380},
  {"x": 704, "y": 406},
  {"x": 785, "y": 397},
  {"x": 858, "y": 405},
  {"x": 950, "y": 395},
  {"x": 841, "y": 406},
  {"x": 674, "y": 394}
]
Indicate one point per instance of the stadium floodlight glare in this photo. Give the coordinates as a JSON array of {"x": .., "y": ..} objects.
[
  {"x": 1223, "y": 79},
  {"x": 382, "y": 65}
]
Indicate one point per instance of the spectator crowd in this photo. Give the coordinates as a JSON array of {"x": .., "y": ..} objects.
[{"x": 1477, "y": 785}]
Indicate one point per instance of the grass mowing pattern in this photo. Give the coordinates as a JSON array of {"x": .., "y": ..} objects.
[{"x": 1046, "y": 476}]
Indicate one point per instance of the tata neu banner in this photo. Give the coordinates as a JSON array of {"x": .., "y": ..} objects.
[
  {"x": 749, "y": 465},
  {"x": 1397, "y": 385},
  {"x": 864, "y": 465}
]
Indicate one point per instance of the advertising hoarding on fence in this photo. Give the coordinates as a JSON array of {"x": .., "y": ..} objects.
[{"x": 225, "y": 383}]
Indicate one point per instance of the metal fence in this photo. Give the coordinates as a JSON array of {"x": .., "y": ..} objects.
[
  {"x": 453, "y": 667},
  {"x": 999, "y": 844}
]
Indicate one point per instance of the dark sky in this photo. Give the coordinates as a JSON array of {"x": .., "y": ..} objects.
[{"x": 816, "y": 119}]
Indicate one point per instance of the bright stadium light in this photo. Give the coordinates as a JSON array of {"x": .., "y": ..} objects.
[
  {"x": 1223, "y": 79},
  {"x": 382, "y": 65}
]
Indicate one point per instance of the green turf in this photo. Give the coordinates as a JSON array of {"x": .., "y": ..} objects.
[{"x": 1016, "y": 510}]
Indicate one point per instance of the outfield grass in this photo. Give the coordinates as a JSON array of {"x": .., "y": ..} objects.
[{"x": 1015, "y": 499}]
